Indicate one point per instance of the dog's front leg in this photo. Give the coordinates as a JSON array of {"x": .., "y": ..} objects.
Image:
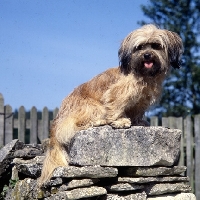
[
  {"x": 116, "y": 117},
  {"x": 115, "y": 111},
  {"x": 121, "y": 123}
]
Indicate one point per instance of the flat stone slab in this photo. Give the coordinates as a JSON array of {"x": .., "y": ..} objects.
[
  {"x": 181, "y": 196},
  {"x": 5, "y": 154},
  {"x": 28, "y": 152},
  {"x": 23, "y": 189},
  {"x": 136, "y": 146},
  {"x": 124, "y": 187},
  {"x": 79, "y": 193},
  {"x": 78, "y": 184},
  {"x": 85, "y": 172},
  {"x": 137, "y": 196},
  {"x": 152, "y": 171},
  {"x": 31, "y": 167},
  {"x": 164, "y": 188},
  {"x": 141, "y": 180},
  {"x": 53, "y": 182}
]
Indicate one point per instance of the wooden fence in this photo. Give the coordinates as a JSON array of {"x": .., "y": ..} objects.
[
  {"x": 34, "y": 127},
  {"x": 28, "y": 127}
]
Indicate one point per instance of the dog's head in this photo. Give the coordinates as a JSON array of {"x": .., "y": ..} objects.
[{"x": 150, "y": 51}]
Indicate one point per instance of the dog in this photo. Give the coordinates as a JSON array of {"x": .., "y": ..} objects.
[{"x": 119, "y": 96}]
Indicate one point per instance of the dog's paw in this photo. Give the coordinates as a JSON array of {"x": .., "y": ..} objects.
[
  {"x": 100, "y": 122},
  {"x": 121, "y": 123}
]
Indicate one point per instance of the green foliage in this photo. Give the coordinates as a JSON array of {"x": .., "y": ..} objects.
[
  {"x": 12, "y": 183},
  {"x": 3, "y": 193},
  {"x": 181, "y": 94},
  {"x": 6, "y": 188}
]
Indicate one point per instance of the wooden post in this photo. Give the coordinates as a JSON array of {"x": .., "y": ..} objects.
[
  {"x": 197, "y": 155},
  {"x": 55, "y": 112},
  {"x": 40, "y": 131},
  {"x": 45, "y": 123},
  {"x": 8, "y": 124},
  {"x": 33, "y": 126},
  {"x": 21, "y": 124},
  {"x": 179, "y": 125},
  {"x": 165, "y": 122},
  {"x": 2, "y": 142},
  {"x": 154, "y": 121},
  {"x": 189, "y": 150}
]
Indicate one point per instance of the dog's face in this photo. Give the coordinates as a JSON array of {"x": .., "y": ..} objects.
[
  {"x": 148, "y": 59},
  {"x": 150, "y": 51}
]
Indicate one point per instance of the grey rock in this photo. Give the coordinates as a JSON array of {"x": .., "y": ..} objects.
[
  {"x": 15, "y": 174},
  {"x": 24, "y": 189},
  {"x": 35, "y": 146},
  {"x": 78, "y": 183},
  {"x": 85, "y": 172},
  {"x": 53, "y": 182},
  {"x": 31, "y": 167},
  {"x": 152, "y": 171},
  {"x": 28, "y": 153},
  {"x": 152, "y": 179},
  {"x": 79, "y": 193},
  {"x": 18, "y": 145},
  {"x": 137, "y": 196},
  {"x": 38, "y": 160},
  {"x": 124, "y": 187},
  {"x": 136, "y": 146},
  {"x": 163, "y": 188},
  {"x": 185, "y": 196},
  {"x": 5, "y": 155},
  {"x": 182, "y": 196}
]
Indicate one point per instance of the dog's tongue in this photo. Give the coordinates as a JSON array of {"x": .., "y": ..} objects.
[{"x": 148, "y": 64}]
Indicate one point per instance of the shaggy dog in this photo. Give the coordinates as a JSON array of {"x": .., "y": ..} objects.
[{"x": 119, "y": 96}]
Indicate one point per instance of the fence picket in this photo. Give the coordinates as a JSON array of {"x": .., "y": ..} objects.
[
  {"x": 8, "y": 124},
  {"x": 55, "y": 112},
  {"x": 1, "y": 120},
  {"x": 189, "y": 149},
  {"x": 21, "y": 124},
  {"x": 154, "y": 121},
  {"x": 179, "y": 125},
  {"x": 45, "y": 123},
  {"x": 40, "y": 132},
  {"x": 197, "y": 155},
  {"x": 33, "y": 125},
  {"x": 165, "y": 122}
]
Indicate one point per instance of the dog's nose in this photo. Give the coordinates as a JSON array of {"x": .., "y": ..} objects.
[{"x": 147, "y": 56}]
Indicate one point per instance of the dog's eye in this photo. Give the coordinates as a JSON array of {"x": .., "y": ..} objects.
[
  {"x": 140, "y": 47},
  {"x": 156, "y": 46}
]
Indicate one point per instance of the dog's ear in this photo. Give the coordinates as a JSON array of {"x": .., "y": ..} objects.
[
  {"x": 124, "y": 55},
  {"x": 175, "y": 48},
  {"x": 176, "y": 64},
  {"x": 124, "y": 61}
]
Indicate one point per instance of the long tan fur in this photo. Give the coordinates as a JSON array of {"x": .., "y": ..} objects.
[{"x": 119, "y": 96}]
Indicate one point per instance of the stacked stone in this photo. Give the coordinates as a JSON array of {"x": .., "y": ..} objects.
[{"x": 116, "y": 164}]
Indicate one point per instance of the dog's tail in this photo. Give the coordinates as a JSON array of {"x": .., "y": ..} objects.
[
  {"x": 61, "y": 133},
  {"x": 55, "y": 157}
]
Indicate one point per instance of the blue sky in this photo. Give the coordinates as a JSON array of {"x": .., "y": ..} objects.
[{"x": 47, "y": 48}]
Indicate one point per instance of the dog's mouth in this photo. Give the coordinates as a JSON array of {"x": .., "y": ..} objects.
[
  {"x": 148, "y": 64},
  {"x": 149, "y": 67}
]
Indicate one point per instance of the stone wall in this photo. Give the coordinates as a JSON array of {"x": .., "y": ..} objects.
[{"x": 116, "y": 164}]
